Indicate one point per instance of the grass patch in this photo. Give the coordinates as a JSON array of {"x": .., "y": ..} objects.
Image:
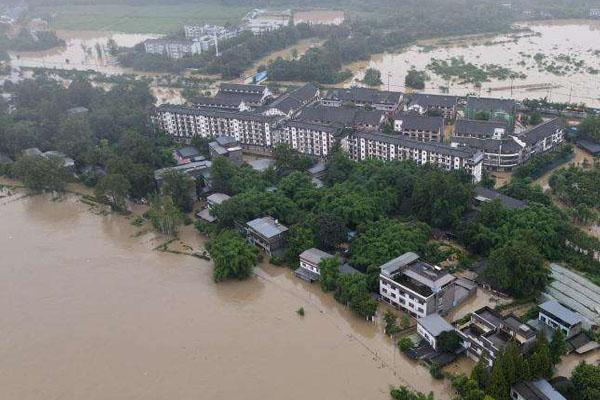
[{"x": 142, "y": 19}]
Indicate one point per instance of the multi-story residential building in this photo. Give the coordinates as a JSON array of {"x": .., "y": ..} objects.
[
  {"x": 594, "y": 12},
  {"x": 226, "y": 146},
  {"x": 260, "y": 21},
  {"x": 204, "y": 32},
  {"x": 499, "y": 155},
  {"x": 433, "y": 103},
  {"x": 174, "y": 49},
  {"x": 543, "y": 137},
  {"x": 267, "y": 233},
  {"x": 496, "y": 109},
  {"x": 420, "y": 288},
  {"x": 310, "y": 138},
  {"x": 420, "y": 127},
  {"x": 289, "y": 103},
  {"x": 183, "y": 123},
  {"x": 535, "y": 390},
  {"x": 232, "y": 103},
  {"x": 557, "y": 316},
  {"x": 363, "y": 97},
  {"x": 480, "y": 129},
  {"x": 488, "y": 332},
  {"x": 431, "y": 327},
  {"x": 363, "y": 144}
]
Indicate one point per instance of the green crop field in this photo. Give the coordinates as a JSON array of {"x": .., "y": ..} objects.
[{"x": 141, "y": 19}]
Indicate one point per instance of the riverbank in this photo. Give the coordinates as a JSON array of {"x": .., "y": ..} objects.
[{"x": 92, "y": 311}]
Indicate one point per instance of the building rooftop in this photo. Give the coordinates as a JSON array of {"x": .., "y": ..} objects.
[
  {"x": 347, "y": 116},
  {"x": 242, "y": 88},
  {"x": 314, "y": 256},
  {"x": 428, "y": 275},
  {"x": 364, "y": 95},
  {"x": 484, "y": 194},
  {"x": 537, "y": 390},
  {"x": 188, "y": 168},
  {"x": 556, "y": 309},
  {"x": 262, "y": 164},
  {"x": 218, "y": 198},
  {"x": 420, "y": 122},
  {"x": 435, "y": 324},
  {"x": 432, "y": 100},
  {"x": 541, "y": 131},
  {"x": 490, "y": 104},
  {"x": 77, "y": 110},
  {"x": 188, "y": 152},
  {"x": 232, "y": 102},
  {"x": 393, "y": 266},
  {"x": 214, "y": 112},
  {"x": 504, "y": 146},
  {"x": 267, "y": 227},
  {"x": 295, "y": 99},
  {"x": 471, "y": 127}
]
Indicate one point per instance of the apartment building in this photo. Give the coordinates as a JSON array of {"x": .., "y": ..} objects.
[
  {"x": 499, "y": 155},
  {"x": 417, "y": 287},
  {"x": 207, "y": 33},
  {"x": 289, "y": 103},
  {"x": 363, "y": 97},
  {"x": 174, "y": 49},
  {"x": 252, "y": 95},
  {"x": 544, "y": 137},
  {"x": 420, "y": 127},
  {"x": 364, "y": 144},
  {"x": 348, "y": 117},
  {"x": 488, "y": 332},
  {"x": 423, "y": 103},
  {"x": 314, "y": 139},
  {"x": 496, "y": 109},
  {"x": 183, "y": 123}
]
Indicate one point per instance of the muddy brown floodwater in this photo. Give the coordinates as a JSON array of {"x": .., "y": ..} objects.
[{"x": 89, "y": 311}]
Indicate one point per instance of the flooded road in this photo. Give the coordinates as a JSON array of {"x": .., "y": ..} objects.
[
  {"x": 553, "y": 73},
  {"x": 89, "y": 311}
]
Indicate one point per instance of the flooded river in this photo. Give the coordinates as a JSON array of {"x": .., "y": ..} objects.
[
  {"x": 89, "y": 311},
  {"x": 552, "y": 74}
]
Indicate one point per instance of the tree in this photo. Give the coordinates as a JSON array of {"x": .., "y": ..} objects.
[
  {"x": 535, "y": 118},
  {"x": 586, "y": 382},
  {"x": 518, "y": 268},
  {"x": 404, "y": 393},
  {"x": 415, "y": 79},
  {"x": 164, "y": 215},
  {"x": 288, "y": 160},
  {"x": 339, "y": 166},
  {"x": 232, "y": 256},
  {"x": 74, "y": 136},
  {"x": 558, "y": 346},
  {"x": 405, "y": 343},
  {"x": 391, "y": 323},
  {"x": 590, "y": 127},
  {"x": 497, "y": 386},
  {"x": 482, "y": 116},
  {"x": 480, "y": 373},
  {"x": 113, "y": 189},
  {"x": 41, "y": 173},
  {"x": 181, "y": 188},
  {"x": 353, "y": 291},
  {"x": 330, "y": 231},
  {"x": 540, "y": 360},
  {"x": 300, "y": 237},
  {"x": 448, "y": 341},
  {"x": 372, "y": 77},
  {"x": 330, "y": 272}
]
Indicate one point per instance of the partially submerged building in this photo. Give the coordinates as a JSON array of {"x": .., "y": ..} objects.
[
  {"x": 267, "y": 233},
  {"x": 535, "y": 390},
  {"x": 431, "y": 327}
]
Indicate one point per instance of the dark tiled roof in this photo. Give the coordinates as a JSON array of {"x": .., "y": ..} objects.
[
  {"x": 421, "y": 123},
  {"x": 505, "y": 146},
  {"x": 344, "y": 115},
  {"x": 470, "y": 127},
  {"x": 241, "y": 88},
  {"x": 213, "y": 112},
  {"x": 364, "y": 95},
  {"x": 541, "y": 131},
  {"x": 238, "y": 97},
  {"x": 188, "y": 151},
  {"x": 464, "y": 152},
  {"x": 295, "y": 99},
  {"x": 335, "y": 128},
  {"x": 223, "y": 101},
  {"x": 508, "y": 202},
  {"x": 433, "y": 100},
  {"x": 491, "y": 104}
]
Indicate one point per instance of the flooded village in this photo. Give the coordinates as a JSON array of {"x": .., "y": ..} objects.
[{"x": 182, "y": 233}]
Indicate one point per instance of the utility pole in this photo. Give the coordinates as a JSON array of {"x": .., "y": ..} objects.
[
  {"x": 216, "y": 45},
  {"x": 570, "y": 93},
  {"x": 389, "y": 74}
]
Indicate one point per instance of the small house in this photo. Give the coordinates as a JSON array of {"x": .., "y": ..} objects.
[
  {"x": 266, "y": 233},
  {"x": 431, "y": 327}
]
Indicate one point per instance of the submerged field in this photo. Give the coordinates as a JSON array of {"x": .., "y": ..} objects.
[{"x": 141, "y": 19}]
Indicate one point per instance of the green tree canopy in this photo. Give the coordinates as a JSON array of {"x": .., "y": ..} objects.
[{"x": 232, "y": 256}]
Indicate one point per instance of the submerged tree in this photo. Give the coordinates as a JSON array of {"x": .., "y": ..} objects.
[
  {"x": 232, "y": 256},
  {"x": 165, "y": 216}
]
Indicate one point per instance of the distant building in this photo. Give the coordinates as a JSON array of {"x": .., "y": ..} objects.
[
  {"x": 363, "y": 145},
  {"x": 497, "y": 109},
  {"x": 480, "y": 129},
  {"x": 226, "y": 146},
  {"x": 557, "y": 316},
  {"x": 535, "y": 390},
  {"x": 186, "y": 155},
  {"x": 5, "y": 160},
  {"x": 35, "y": 152},
  {"x": 431, "y": 327},
  {"x": 423, "y": 103},
  {"x": 77, "y": 110},
  {"x": 267, "y": 233},
  {"x": 488, "y": 332},
  {"x": 229, "y": 103},
  {"x": 363, "y": 97},
  {"x": 260, "y": 21},
  {"x": 420, "y": 288},
  {"x": 594, "y": 12},
  {"x": 319, "y": 17},
  {"x": 197, "y": 170},
  {"x": 207, "y": 33},
  {"x": 252, "y": 95},
  {"x": 174, "y": 49},
  {"x": 420, "y": 127}
]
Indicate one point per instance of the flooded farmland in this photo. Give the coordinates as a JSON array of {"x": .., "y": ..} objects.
[
  {"x": 88, "y": 310},
  {"x": 559, "y": 60}
]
